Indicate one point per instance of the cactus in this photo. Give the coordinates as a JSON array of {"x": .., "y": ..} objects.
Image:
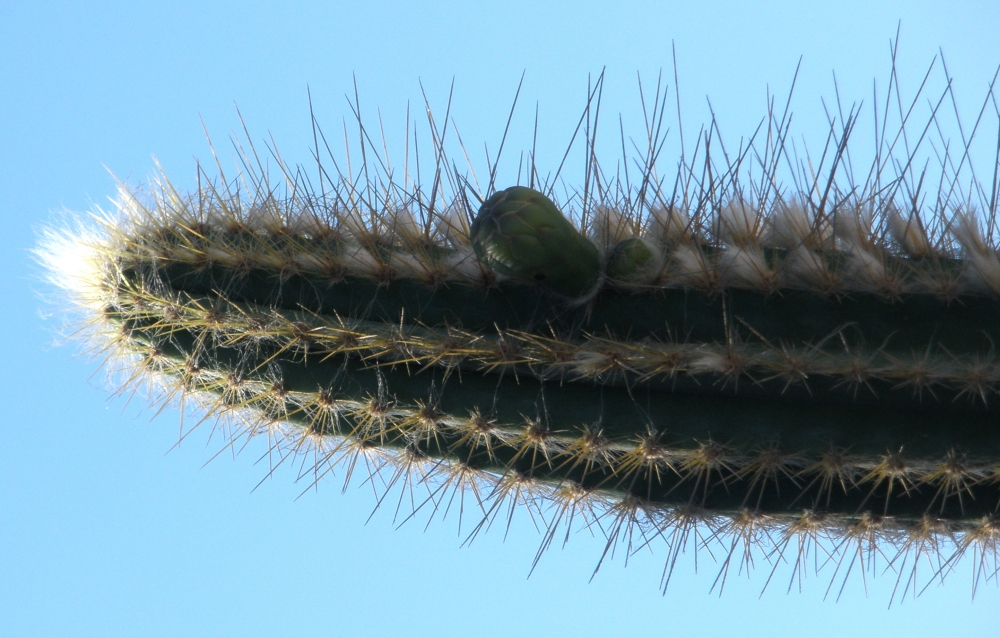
[{"x": 783, "y": 371}]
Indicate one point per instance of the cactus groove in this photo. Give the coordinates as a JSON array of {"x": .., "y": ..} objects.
[{"x": 783, "y": 370}]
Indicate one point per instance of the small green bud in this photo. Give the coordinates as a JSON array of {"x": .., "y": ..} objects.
[
  {"x": 630, "y": 260},
  {"x": 520, "y": 233}
]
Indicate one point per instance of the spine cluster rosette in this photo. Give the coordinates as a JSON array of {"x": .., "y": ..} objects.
[{"x": 783, "y": 373}]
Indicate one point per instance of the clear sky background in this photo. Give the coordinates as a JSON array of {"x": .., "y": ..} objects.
[{"x": 103, "y": 532}]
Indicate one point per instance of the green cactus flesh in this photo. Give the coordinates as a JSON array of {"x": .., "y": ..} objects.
[{"x": 767, "y": 366}]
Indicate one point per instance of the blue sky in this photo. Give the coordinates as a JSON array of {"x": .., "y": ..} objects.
[{"x": 107, "y": 530}]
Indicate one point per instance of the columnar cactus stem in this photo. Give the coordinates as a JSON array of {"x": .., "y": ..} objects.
[{"x": 758, "y": 365}]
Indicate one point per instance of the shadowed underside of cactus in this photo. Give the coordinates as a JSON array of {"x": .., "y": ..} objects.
[{"x": 719, "y": 361}]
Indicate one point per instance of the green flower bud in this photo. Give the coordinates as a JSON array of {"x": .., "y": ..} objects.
[
  {"x": 630, "y": 260},
  {"x": 520, "y": 233}
]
